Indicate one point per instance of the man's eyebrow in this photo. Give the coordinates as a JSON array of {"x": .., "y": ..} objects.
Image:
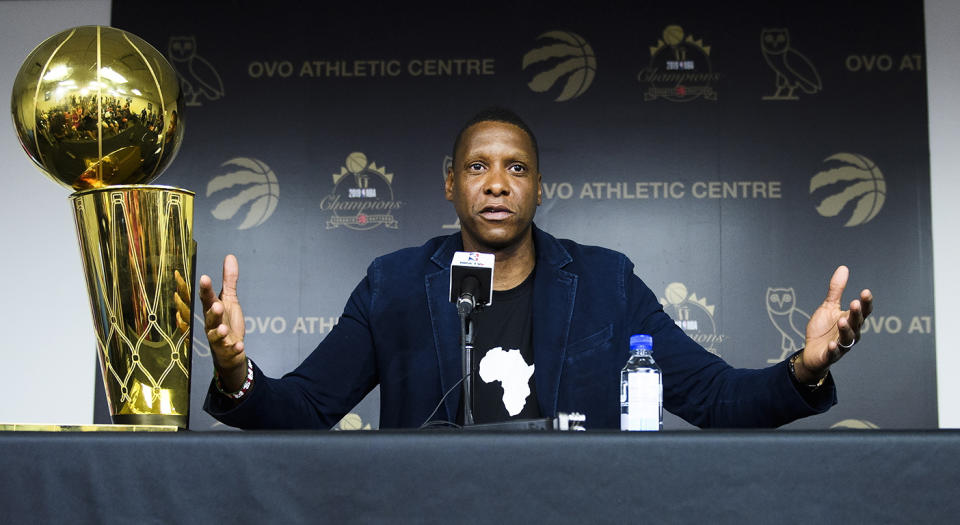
[{"x": 521, "y": 156}]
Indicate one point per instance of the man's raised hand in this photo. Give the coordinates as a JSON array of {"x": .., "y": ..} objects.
[
  {"x": 832, "y": 332},
  {"x": 223, "y": 322}
]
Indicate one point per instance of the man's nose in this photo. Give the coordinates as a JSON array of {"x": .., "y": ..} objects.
[{"x": 498, "y": 182}]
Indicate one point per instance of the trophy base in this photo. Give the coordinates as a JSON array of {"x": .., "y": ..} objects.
[{"x": 149, "y": 419}]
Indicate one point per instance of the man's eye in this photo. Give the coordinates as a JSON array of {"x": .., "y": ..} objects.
[
  {"x": 476, "y": 166},
  {"x": 518, "y": 168}
]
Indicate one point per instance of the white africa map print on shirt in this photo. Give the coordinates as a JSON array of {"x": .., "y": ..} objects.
[{"x": 513, "y": 373}]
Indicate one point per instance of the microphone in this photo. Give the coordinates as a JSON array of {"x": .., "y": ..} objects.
[
  {"x": 468, "y": 293},
  {"x": 471, "y": 281}
]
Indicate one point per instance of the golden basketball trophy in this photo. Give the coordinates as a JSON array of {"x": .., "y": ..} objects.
[{"x": 99, "y": 111}]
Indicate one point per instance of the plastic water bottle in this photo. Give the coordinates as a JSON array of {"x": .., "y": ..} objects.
[{"x": 641, "y": 388}]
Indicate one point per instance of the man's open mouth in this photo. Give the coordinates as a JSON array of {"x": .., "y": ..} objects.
[{"x": 496, "y": 213}]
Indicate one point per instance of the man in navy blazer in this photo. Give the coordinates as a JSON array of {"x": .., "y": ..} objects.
[{"x": 403, "y": 333}]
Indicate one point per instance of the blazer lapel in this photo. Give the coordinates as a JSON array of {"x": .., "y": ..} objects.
[
  {"x": 554, "y": 293},
  {"x": 446, "y": 323}
]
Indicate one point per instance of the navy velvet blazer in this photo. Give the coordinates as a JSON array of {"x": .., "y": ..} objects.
[{"x": 400, "y": 331}]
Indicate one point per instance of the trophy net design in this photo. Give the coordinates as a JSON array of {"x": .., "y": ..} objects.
[{"x": 98, "y": 110}]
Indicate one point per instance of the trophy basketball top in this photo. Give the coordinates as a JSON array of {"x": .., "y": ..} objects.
[{"x": 95, "y": 106}]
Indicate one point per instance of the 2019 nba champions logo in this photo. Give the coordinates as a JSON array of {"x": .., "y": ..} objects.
[
  {"x": 362, "y": 196},
  {"x": 694, "y": 315},
  {"x": 680, "y": 69}
]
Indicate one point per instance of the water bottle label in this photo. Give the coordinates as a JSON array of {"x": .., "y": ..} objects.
[{"x": 641, "y": 402}]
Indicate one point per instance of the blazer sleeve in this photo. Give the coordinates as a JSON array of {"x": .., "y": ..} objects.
[{"x": 330, "y": 381}]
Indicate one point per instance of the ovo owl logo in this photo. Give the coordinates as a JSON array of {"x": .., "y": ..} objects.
[
  {"x": 793, "y": 70},
  {"x": 849, "y": 180},
  {"x": 567, "y": 55},
  {"x": 788, "y": 319},
  {"x": 255, "y": 188},
  {"x": 198, "y": 79}
]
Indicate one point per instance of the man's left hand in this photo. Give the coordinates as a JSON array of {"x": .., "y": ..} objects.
[{"x": 832, "y": 332}]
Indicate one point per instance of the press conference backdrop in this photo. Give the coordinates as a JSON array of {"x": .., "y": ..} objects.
[{"x": 736, "y": 157}]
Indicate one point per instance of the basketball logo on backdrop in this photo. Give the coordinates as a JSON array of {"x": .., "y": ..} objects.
[
  {"x": 252, "y": 186},
  {"x": 680, "y": 69},
  {"x": 362, "y": 196},
  {"x": 849, "y": 181},
  {"x": 859, "y": 424},
  {"x": 563, "y": 56},
  {"x": 693, "y": 315},
  {"x": 198, "y": 79},
  {"x": 447, "y": 165},
  {"x": 789, "y": 320},
  {"x": 793, "y": 70},
  {"x": 352, "y": 421}
]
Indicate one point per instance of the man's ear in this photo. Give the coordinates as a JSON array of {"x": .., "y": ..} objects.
[
  {"x": 448, "y": 185},
  {"x": 539, "y": 189}
]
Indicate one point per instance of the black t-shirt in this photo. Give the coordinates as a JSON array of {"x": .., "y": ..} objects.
[{"x": 504, "y": 387}]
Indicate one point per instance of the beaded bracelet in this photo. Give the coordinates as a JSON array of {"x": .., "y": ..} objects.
[
  {"x": 243, "y": 390},
  {"x": 793, "y": 372}
]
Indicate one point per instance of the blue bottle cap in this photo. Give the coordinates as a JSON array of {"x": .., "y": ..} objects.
[{"x": 641, "y": 341}]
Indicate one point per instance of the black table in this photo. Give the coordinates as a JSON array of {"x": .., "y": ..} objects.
[{"x": 706, "y": 477}]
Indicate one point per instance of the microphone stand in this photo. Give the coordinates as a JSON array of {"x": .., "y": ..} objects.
[
  {"x": 466, "y": 346},
  {"x": 466, "y": 305},
  {"x": 563, "y": 421}
]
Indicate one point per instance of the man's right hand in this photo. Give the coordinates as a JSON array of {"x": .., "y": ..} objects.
[{"x": 224, "y": 326}]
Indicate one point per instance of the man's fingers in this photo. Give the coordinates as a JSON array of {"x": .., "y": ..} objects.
[
  {"x": 846, "y": 335},
  {"x": 219, "y": 336},
  {"x": 837, "y": 283},
  {"x": 222, "y": 344},
  {"x": 226, "y": 344},
  {"x": 855, "y": 317},
  {"x": 833, "y": 352},
  {"x": 213, "y": 316},
  {"x": 207, "y": 297},
  {"x": 231, "y": 273},
  {"x": 866, "y": 302},
  {"x": 215, "y": 335}
]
